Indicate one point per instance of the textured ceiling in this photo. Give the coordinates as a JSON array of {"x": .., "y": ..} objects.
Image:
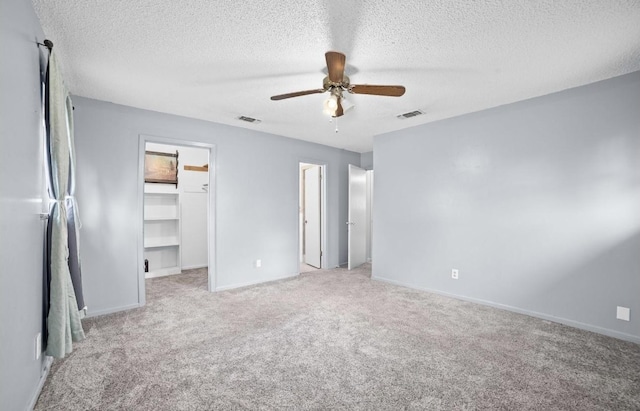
[{"x": 217, "y": 60}]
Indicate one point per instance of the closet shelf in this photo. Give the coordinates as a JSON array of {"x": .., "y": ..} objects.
[
  {"x": 161, "y": 218},
  {"x": 161, "y": 243},
  {"x": 162, "y": 248},
  {"x": 161, "y": 272}
]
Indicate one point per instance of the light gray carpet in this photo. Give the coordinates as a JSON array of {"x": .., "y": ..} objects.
[
  {"x": 334, "y": 339},
  {"x": 305, "y": 268}
]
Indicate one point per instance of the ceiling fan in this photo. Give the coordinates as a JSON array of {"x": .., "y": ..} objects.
[{"x": 337, "y": 82}]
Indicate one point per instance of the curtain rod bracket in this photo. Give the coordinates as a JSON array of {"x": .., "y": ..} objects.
[{"x": 47, "y": 43}]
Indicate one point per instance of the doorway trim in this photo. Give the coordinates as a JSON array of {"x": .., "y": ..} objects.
[
  {"x": 143, "y": 139},
  {"x": 323, "y": 212},
  {"x": 357, "y": 220}
]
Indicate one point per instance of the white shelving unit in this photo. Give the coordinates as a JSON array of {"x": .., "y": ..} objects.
[{"x": 162, "y": 234}]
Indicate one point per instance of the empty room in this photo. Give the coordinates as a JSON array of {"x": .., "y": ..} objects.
[{"x": 320, "y": 205}]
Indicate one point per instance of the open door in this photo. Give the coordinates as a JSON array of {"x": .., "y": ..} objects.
[
  {"x": 312, "y": 219},
  {"x": 175, "y": 219},
  {"x": 357, "y": 224}
]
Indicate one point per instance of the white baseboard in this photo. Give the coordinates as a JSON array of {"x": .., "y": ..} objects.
[
  {"x": 576, "y": 324},
  {"x": 193, "y": 267},
  {"x": 240, "y": 285},
  {"x": 43, "y": 378},
  {"x": 111, "y": 310}
]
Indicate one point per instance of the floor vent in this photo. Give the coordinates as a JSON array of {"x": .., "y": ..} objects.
[
  {"x": 410, "y": 114},
  {"x": 249, "y": 119}
]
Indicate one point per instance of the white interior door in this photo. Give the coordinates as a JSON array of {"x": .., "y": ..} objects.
[
  {"x": 312, "y": 240},
  {"x": 357, "y": 224}
]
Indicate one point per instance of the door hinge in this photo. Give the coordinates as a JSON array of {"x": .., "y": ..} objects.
[{"x": 320, "y": 253}]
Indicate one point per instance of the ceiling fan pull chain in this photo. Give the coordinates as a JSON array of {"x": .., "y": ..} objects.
[{"x": 336, "y": 124}]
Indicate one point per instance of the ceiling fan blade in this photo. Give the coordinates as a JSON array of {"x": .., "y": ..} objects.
[
  {"x": 392, "y": 91},
  {"x": 297, "y": 94},
  {"x": 335, "y": 64}
]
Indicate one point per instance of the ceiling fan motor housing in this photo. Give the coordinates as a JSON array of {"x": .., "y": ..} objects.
[{"x": 328, "y": 84}]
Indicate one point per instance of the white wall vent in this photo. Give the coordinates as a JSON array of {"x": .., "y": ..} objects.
[
  {"x": 411, "y": 114},
  {"x": 249, "y": 119}
]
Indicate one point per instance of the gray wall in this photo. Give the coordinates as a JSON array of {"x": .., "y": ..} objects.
[
  {"x": 366, "y": 160},
  {"x": 256, "y": 190},
  {"x": 21, "y": 231},
  {"x": 537, "y": 204}
]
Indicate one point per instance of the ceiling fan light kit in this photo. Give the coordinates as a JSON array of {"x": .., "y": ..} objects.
[
  {"x": 347, "y": 105},
  {"x": 330, "y": 106},
  {"x": 337, "y": 82}
]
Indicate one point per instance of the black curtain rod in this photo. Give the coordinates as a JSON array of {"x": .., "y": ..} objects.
[{"x": 47, "y": 43}]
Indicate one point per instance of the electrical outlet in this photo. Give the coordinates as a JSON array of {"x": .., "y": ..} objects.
[
  {"x": 258, "y": 263},
  {"x": 623, "y": 313},
  {"x": 454, "y": 274},
  {"x": 38, "y": 345}
]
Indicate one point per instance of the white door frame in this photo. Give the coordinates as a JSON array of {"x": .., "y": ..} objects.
[
  {"x": 211, "y": 208},
  {"x": 312, "y": 177},
  {"x": 357, "y": 244},
  {"x": 370, "y": 182},
  {"x": 323, "y": 210}
]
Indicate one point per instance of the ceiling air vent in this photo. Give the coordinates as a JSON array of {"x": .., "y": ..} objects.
[
  {"x": 410, "y": 114},
  {"x": 249, "y": 119}
]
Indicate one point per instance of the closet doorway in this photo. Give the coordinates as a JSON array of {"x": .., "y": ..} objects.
[
  {"x": 176, "y": 208},
  {"x": 311, "y": 216},
  {"x": 360, "y": 220}
]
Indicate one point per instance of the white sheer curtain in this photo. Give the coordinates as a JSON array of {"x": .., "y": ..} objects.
[{"x": 63, "y": 321}]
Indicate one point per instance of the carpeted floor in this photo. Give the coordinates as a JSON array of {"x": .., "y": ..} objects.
[
  {"x": 305, "y": 268},
  {"x": 334, "y": 339}
]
